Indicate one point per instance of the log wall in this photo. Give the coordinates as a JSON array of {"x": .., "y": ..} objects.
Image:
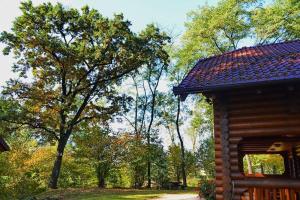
[{"x": 254, "y": 112}]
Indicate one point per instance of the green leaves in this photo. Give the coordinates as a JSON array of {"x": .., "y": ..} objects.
[
  {"x": 73, "y": 57},
  {"x": 278, "y": 21}
]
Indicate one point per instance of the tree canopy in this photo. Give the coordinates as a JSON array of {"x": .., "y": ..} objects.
[{"x": 69, "y": 63}]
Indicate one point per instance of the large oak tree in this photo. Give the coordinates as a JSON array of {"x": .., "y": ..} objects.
[{"x": 69, "y": 63}]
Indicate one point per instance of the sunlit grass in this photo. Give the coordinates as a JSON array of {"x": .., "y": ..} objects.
[{"x": 108, "y": 194}]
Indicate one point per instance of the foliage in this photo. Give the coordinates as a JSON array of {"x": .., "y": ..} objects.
[
  {"x": 277, "y": 22},
  {"x": 207, "y": 189},
  {"x": 206, "y": 157},
  {"x": 22, "y": 169},
  {"x": 101, "y": 151},
  {"x": 214, "y": 29},
  {"x": 159, "y": 164},
  {"x": 271, "y": 163},
  {"x": 201, "y": 124},
  {"x": 76, "y": 59},
  {"x": 174, "y": 162},
  {"x": 137, "y": 161}
]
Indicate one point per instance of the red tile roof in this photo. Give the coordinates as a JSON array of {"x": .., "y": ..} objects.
[{"x": 244, "y": 67}]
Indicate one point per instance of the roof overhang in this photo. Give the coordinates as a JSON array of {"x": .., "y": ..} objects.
[
  {"x": 246, "y": 67},
  {"x": 184, "y": 92}
]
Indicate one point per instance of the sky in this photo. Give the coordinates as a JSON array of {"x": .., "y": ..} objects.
[{"x": 168, "y": 14}]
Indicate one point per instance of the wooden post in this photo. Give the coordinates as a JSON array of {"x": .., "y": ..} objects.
[
  {"x": 225, "y": 146},
  {"x": 295, "y": 163}
]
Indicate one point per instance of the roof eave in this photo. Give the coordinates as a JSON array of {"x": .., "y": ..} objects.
[{"x": 184, "y": 92}]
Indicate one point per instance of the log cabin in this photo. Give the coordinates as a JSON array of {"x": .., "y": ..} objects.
[
  {"x": 3, "y": 145},
  {"x": 255, "y": 92}
]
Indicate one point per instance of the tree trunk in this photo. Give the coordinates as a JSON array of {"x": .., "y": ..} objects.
[
  {"x": 57, "y": 164},
  {"x": 101, "y": 182},
  {"x": 100, "y": 175},
  {"x": 249, "y": 164},
  {"x": 149, "y": 141},
  {"x": 149, "y": 173},
  {"x": 177, "y": 174},
  {"x": 181, "y": 146}
]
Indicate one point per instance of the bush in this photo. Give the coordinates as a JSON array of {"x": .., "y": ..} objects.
[{"x": 208, "y": 189}]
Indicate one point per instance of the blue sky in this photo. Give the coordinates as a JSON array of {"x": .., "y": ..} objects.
[{"x": 168, "y": 14}]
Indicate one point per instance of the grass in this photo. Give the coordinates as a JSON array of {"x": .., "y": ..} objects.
[{"x": 108, "y": 194}]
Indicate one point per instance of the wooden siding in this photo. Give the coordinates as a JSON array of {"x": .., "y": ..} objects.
[{"x": 255, "y": 112}]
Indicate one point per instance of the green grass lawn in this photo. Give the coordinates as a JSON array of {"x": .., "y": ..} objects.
[{"x": 108, "y": 194}]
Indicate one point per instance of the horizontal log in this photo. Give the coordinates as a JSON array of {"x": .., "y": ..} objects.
[
  {"x": 234, "y": 168},
  {"x": 218, "y": 148},
  {"x": 233, "y": 154},
  {"x": 252, "y": 111},
  {"x": 219, "y": 161},
  {"x": 239, "y": 190},
  {"x": 265, "y": 124},
  {"x": 265, "y": 117},
  {"x": 237, "y": 175},
  {"x": 218, "y": 154},
  {"x": 219, "y": 176},
  {"x": 234, "y": 161},
  {"x": 233, "y": 147},
  {"x": 267, "y": 131},
  {"x": 219, "y": 190},
  {"x": 219, "y": 168},
  {"x": 235, "y": 140},
  {"x": 219, "y": 197},
  {"x": 261, "y": 104},
  {"x": 252, "y": 98},
  {"x": 217, "y": 140},
  {"x": 269, "y": 183}
]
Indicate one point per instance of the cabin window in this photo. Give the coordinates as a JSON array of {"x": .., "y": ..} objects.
[{"x": 263, "y": 164}]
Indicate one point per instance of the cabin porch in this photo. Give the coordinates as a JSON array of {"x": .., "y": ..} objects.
[{"x": 273, "y": 184}]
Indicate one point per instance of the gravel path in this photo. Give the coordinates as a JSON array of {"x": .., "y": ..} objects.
[{"x": 179, "y": 197}]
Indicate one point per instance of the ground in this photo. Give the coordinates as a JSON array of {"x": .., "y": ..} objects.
[
  {"x": 120, "y": 194},
  {"x": 178, "y": 197}
]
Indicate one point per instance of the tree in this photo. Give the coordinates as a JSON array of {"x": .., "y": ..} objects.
[
  {"x": 68, "y": 62},
  {"x": 137, "y": 159},
  {"x": 206, "y": 157},
  {"x": 156, "y": 63},
  {"x": 176, "y": 74},
  {"x": 277, "y": 22},
  {"x": 174, "y": 160},
  {"x": 102, "y": 150},
  {"x": 215, "y": 29}
]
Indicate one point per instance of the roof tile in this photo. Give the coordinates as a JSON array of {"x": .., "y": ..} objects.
[{"x": 245, "y": 66}]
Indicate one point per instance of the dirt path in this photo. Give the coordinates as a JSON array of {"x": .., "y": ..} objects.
[{"x": 179, "y": 197}]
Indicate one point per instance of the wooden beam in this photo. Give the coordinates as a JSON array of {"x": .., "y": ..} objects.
[
  {"x": 269, "y": 182},
  {"x": 224, "y": 125}
]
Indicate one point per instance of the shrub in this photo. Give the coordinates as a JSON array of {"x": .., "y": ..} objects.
[{"x": 207, "y": 189}]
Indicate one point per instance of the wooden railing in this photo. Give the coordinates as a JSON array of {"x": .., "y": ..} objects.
[
  {"x": 270, "y": 189},
  {"x": 271, "y": 194}
]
